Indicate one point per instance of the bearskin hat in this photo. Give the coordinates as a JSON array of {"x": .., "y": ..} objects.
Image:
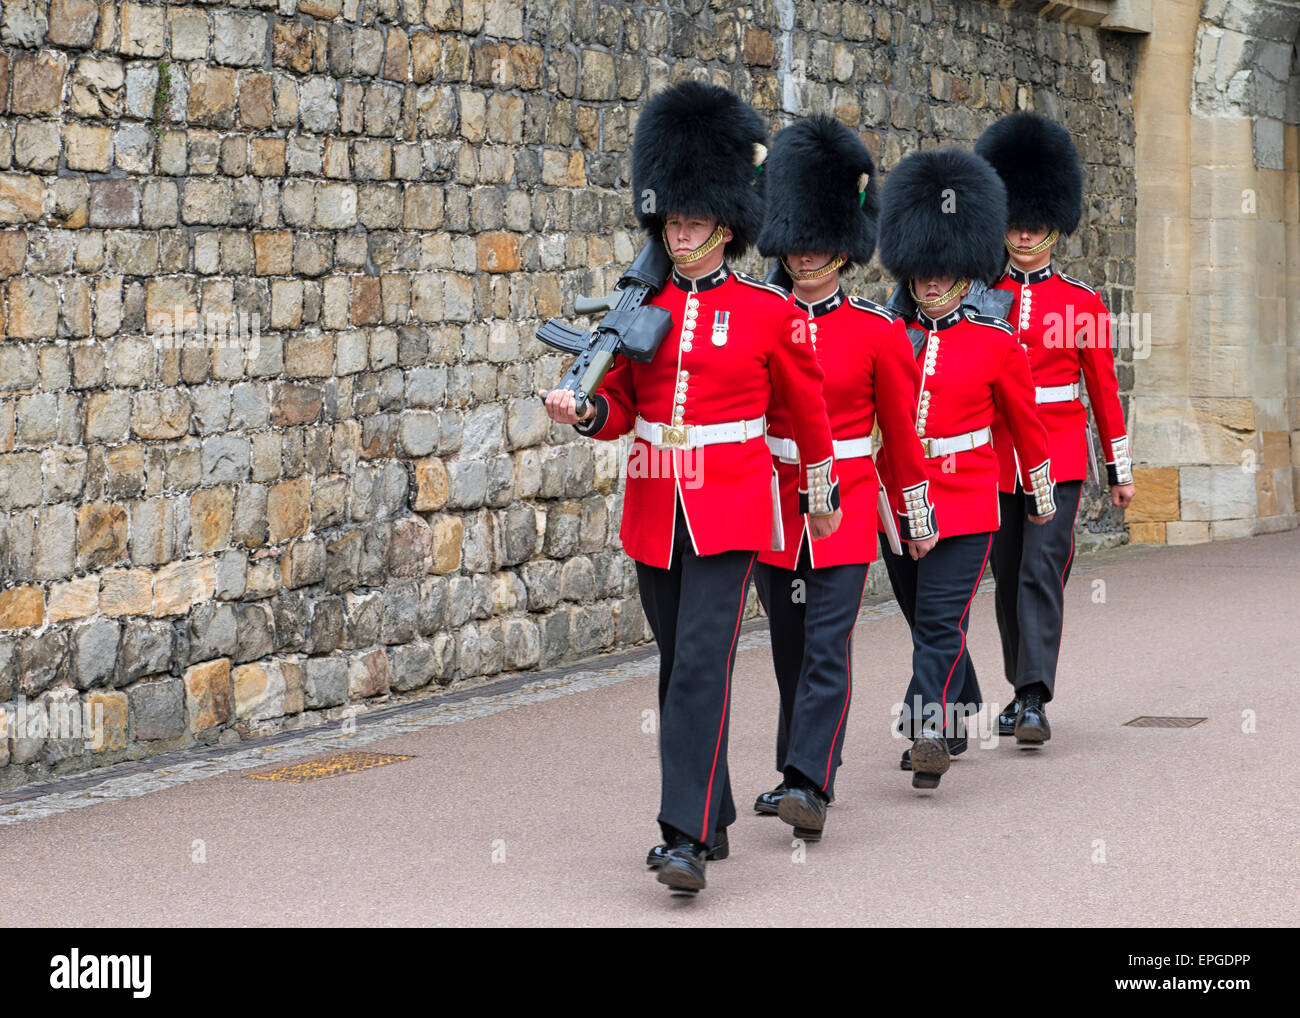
[
  {"x": 697, "y": 150},
  {"x": 821, "y": 192},
  {"x": 1040, "y": 167},
  {"x": 943, "y": 212}
]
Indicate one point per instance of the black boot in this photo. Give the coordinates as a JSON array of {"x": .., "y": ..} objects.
[
  {"x": 1007, "y": 719},
  {"x": 720, "y": 850},
  {"x": 956, "y": 747},
  {"x": 769, "y": 802},
  {"x": 683, "y": 865},
  {"x": 803, "y": 807},
  {"x": 930, "y": 760},
  {"x": 1032, "y": 728}
]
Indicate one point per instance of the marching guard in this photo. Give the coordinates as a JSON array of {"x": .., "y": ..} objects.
[
  {"x": 822, "y": 207},
  {"x": 1065, "y": 328},
  {"x": 702, "y": 503},
  {"x": 942, "y": 223}
]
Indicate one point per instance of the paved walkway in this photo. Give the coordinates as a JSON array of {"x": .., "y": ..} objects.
[{"x": 533, "y": 803}]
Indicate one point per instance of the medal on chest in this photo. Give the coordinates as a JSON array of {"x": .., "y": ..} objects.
[{"x": 721, "y": 322}]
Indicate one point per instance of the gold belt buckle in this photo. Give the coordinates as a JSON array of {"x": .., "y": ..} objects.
[
  {"x": 674, "y": 436},
  {"x": 927, "y": 446}
]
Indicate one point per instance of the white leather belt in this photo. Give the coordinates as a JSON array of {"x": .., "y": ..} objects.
[
  {"x": 692, "y": 436},
  {"x": 787, "y": 451},
  {"x": 933, "y": 447},
  {"x": 1057, "y": 393}
]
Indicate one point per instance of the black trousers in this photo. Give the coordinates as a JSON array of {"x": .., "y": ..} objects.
[
  {"x": 694, "y": 608},
  {"x": 1031, "y": 564},
  {"x": 810, "y": 615},
  {"x": 935, "y": 595}
]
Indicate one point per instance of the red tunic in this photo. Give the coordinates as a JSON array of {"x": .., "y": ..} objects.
[
  {"x": 722, "y": 364},
  {"x": 1065, "y": 328},
  {"x": 972, "y": 365},
  {"x": 866, "y": 358}
]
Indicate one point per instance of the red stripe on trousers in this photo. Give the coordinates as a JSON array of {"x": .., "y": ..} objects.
[
  {"x": 848, "y": 671},
  {"x": 708, "y": 795},
  {"x": 1063, "y": 571},
  {"x": 962, "y": 649}
]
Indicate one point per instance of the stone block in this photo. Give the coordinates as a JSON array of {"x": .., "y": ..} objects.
[
  {"x": 94, "y": 652},
  {"x": 75, "y": 599},
  {"x": 325, "y": 682},
  {"x": 146, "y": 649},
  {"x": 259, "y": 691},
  {"x": 289, "y": 509},
  {"x": 102, "y": 533},
  {"x": 208, "y": 694},
  {"x": 158, "y": 709},
  {"x": 38, "y": 80},
  {"x": 72, "y": 23},
  {"x": 33, "y": 308},
  {"x": 126, "y": 592},
  {"x": 21, "y": 607},
  {"x": 1216, "y": 493},
  {"x": 178, "y": 586},
  {"x": 109, "y": 713},
  {"x": 22, "y": 198},
  {"x": 1156, "y": 498}
]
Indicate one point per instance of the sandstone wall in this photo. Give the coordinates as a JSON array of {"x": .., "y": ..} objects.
[{"x": 270, "y": 275}]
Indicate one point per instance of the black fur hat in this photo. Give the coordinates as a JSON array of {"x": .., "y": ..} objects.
[
  {"x": 1040, "y": 167},
  {"x": 815, "y": 192},
  {"x": 697, "y": 151},
  {"x": 943, "y": 212}
]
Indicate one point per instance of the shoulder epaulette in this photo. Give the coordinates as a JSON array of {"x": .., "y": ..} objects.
[
  {"x": 989, "y": 320},
  {"x": 760, "y": 285},
  {"x": 862, "y": 304},
  {"x": 1077, "y": 282}
]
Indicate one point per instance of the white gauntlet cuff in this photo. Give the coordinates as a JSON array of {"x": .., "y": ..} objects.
[
  {"x": 823, "y": 495},
  {"x": 918, "y": 514},
  {"x": 1119, "y": 468},
  {"x": 1043, "y": 494}
]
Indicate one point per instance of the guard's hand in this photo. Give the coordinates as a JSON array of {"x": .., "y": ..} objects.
[
  {"x": 1121, "y": 495},
  {"x": 824, "y": 526},
  {"x": 1040, "y": 520},
  {"x": 917, "y": 549},
  {"x": 560, "y": 404}
]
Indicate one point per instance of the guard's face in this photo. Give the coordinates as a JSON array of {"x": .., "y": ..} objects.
[
  {"x": 686, "y": 233},
  {"x": 1025, "y": 237},
  {"x": 808, "y": 261},
  {"x": 932, "y": 287}
]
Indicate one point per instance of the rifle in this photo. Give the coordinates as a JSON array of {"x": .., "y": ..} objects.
[{"x": 629, "y": 327}]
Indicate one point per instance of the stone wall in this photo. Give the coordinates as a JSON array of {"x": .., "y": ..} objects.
[
  {"x": 269, "y": 452},
  {"x": 1215, "y": 410}
]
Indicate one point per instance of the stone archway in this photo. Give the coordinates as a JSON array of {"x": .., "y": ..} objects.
[{"x": 1214, "y": 413}]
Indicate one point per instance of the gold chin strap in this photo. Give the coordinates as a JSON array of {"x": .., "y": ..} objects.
[
  {"x": 926, "y": 305},
  {"x": 715, "y": 238},
  {"x": 802, "y": 277},
  {"x": 1038, "y": 248}
]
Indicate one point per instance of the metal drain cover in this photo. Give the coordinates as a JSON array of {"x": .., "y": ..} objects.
[
  {"x": 1159, "y": 722},
  {"x": 328, "y": 767}
]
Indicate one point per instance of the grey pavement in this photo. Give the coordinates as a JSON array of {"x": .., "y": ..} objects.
[{"x": 533, "y": 802}]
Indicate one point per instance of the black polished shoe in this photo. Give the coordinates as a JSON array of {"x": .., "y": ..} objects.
[
  {"x": 768, "y": 803},
  {"x": 930, "y": 761},
  {"x": 683, "y": 866},
  {"x": 1007, "y": 719},
  {"x": 804, "y": 809},
  {"x": 720, "y": 850},
  {"x": 956, "y": 747},
  {"x": 1032, "y": 728}
]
